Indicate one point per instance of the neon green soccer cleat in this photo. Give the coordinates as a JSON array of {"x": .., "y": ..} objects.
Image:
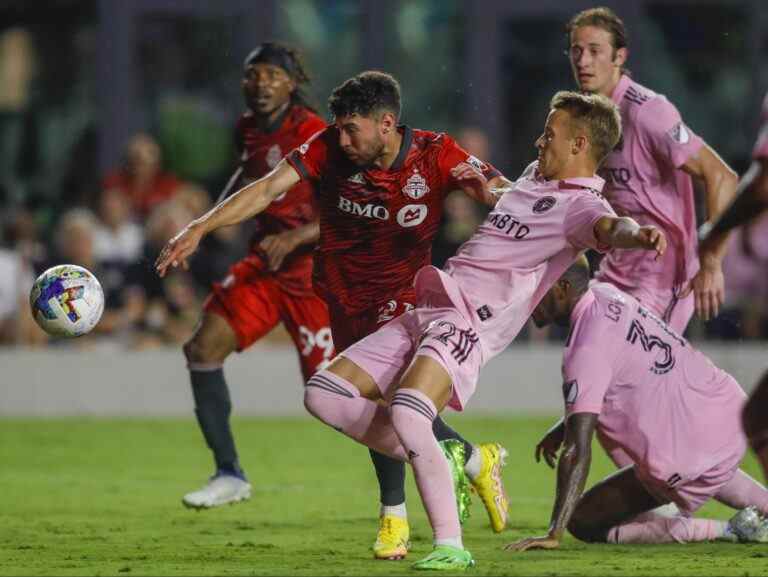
[
  {"x": 392, "y": 541},
  {"x": 454, "y": 453},
  {"x": 445, "y": 558},
  {"x": 490, "y": 486}
]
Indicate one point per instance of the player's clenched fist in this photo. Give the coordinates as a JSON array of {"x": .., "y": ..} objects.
[
  {"x": 177, "y": 249},
  {"x": 652, "y": 238}
]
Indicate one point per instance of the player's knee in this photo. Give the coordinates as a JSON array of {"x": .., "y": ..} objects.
[
  {"x": 324, "y": 398},
  {"x": 586, "y": 531},
  {"x": 202, "y": 350}
]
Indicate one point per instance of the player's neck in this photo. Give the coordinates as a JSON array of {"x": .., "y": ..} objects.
[
  {"x": 610, "y": 88},
  {"x": 391, "y": 151},
  {"x": 575, "y": 171},
  {"x": 267, "y": 122}
]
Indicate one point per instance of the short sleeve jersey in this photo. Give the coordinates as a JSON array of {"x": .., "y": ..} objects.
[
  {"x": 672, "y": 410},
  {"x": 644, "y": 181},
  {"x": 534, "y": 233},
  {"x": 760, "y": 150},
  {"x": 377, "y": 226},
  {"x": 260, "y": 151}
]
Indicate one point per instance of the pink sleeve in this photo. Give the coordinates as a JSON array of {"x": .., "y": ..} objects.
[
  {"x": 663, "y": 130},
  {"x": 585, "y": 210},
  {"x": 310, "y": 158},
  {"x": 587, "y": 372}
]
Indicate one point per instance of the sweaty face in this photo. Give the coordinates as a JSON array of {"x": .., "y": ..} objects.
[
  {"x": 596, "y": 65},
  {"x": 266, "y": 88},
  {"x": 360, "y": 138},
  {"x": 554, "y": 144}
]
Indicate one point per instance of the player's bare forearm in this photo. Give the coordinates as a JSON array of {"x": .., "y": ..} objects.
[
  {"x": 572, "y": 470},
  {"x": 497, "y": 186},
  {"x": 624, "y": 232},
  {"x": 308, "y": 234},
  {"x": 720, "y": 184},
  {"x": 751, "y": 200},
  {"x": 250, "y": 200}
]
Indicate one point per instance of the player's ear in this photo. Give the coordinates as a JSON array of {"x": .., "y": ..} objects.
[
  {"x": 580, "y": 144},
  {"x": 620, "y": 56},
  {"x": 388, "y": 122}
]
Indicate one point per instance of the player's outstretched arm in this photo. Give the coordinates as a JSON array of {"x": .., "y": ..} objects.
[
  {"x": 245, "y": 203},
  {"x": 624, "y": 232},
  {"x": 572, "y": 470}
]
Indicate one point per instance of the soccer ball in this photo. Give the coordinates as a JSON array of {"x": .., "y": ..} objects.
[{"x": 67, "y": 301}]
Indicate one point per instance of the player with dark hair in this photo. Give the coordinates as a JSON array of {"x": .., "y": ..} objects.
[
  {"x": 750, "y": 202},
  {"x": 380, "y": 188},
  {"x": 273, "y": 283},
  {"x": 630, "y": 375}
]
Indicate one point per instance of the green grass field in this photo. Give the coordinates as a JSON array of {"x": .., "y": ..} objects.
[{"x": 102, "y": 497}]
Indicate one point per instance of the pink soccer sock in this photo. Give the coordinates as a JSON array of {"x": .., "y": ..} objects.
[
  {"x": 659, "y": 529},
  {"x": 742, "y": 491},
  {"x": 412, "y": 415},
  {"x": 338, "y": 403}
]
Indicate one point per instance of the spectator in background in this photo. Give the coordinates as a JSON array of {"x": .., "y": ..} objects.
[
  {"x": 117, "y": 238},
  {"x": 123, "y": 298},
  {"x": 173, "y": 302},
  {"x": 141, "y": 179},
  {"x": 461, "y": 215}
]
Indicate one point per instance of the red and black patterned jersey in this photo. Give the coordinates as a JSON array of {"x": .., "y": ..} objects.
[
  {"x": 260, "y": 151},
  {"x": 377, "y": 226}
]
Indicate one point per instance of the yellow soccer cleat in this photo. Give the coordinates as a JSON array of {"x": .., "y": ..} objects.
[
  {"x": 392, "y": 541},
  {"x": 490, "y": 486}
]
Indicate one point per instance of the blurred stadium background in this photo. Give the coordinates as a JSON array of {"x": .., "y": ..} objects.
[{"x": 92, "y": 88}]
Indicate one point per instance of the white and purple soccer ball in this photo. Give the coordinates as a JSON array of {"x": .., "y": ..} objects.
[{"x": 67, "y": 301}]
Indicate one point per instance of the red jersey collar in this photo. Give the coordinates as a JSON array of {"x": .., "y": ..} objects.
[{"x": 405, "y": 146}]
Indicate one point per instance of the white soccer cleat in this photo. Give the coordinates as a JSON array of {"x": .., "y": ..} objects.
[
  {"x": 220, "y": 490},
  {"x": 749, "y": 526}
]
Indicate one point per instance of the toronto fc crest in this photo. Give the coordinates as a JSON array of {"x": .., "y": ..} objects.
[{"x": 416, "y": 186}]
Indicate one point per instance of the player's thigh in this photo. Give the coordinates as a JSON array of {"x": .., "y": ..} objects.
[
  {"x": 376, "y": 363},
  {"x": 613, "y": 501},
  {"x": 248, "y": 303},
  {"x": 307, "y": 321},
  {"x": 212, "y": 341},
  {"x": 430, "y": 377}
]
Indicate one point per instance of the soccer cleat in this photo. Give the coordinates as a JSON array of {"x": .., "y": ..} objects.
[
  {"x": 392, "y": 541},
  {"x": 454, "y": 453},
  {"x": 220, "y": 490},
  {"x": 490, "y": 486},
  {"x": 445, "y": 558},
  {"x": 749, "y": 526}
]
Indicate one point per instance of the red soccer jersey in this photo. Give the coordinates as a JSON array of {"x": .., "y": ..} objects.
[
  {"x": 377, "y": 226},
  {"x": 260, "y": 152}
]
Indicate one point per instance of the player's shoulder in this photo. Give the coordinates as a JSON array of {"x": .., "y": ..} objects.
[
  {"x": 429, "y": 140},
  {"x": 601, "y": 308},
  {"x": 306, "y": 118},
  {"x": 644, "y": 104}
]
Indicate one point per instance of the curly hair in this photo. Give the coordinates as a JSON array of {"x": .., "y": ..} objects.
[{"x": 368, "y": 93}]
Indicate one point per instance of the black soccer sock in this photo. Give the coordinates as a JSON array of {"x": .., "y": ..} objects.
[
  {"x": 442, "y": 432},
  {"x": 213, "y": 407},
  {"x": 391, "y": 475}
]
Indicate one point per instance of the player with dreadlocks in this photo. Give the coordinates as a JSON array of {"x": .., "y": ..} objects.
[{"x": 273, "y": 283}]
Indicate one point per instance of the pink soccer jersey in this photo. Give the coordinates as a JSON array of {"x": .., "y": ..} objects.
[
  {"x": 532, "y": 235},
  {"x": 643, "y": 182},
  {"x": 674, "y": 413},
  {"x": 761, "y": 146},
  {"x": 490, "y": 288}
]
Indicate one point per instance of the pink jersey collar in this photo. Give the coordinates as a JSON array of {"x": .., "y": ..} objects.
[
  {"x": 584, "y": 302},
  {"x": 618, "y": 92},
  {"x": 581, "y": 182}
]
